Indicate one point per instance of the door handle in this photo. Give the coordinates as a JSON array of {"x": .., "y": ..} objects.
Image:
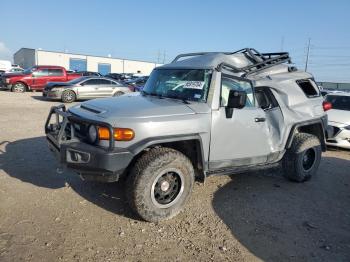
[{"x": 260, "y": 119}]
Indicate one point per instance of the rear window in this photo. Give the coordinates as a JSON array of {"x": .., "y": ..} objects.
[
  {"x": 339, "y": 102},
  {"x": 309, "y": 87},
  {"x": 55, "y": 72}
]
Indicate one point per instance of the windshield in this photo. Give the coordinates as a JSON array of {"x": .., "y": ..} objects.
[
  {"x": 186, "y": 84},
  {"x": 339, "y": 102},
  {"x": 77, "y": 80}
]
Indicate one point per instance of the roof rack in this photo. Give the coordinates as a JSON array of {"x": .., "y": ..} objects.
[{"x": 260, "y": 61}]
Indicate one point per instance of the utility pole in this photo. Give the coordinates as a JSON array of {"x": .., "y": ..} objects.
[
  {"x": 307, "y": 54},
  {"x": 158, "y": 57},
  {"x": 164, "y": 55}
]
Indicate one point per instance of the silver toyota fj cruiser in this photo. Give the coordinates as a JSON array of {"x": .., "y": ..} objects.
[{"x": 203, "y": 114}]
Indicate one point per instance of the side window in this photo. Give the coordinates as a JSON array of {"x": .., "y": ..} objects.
[
  {"x": 103, "y": 82},
  {"x": 40, "y": 73},
  {"x": 97, "y": 82},
  {"x": 309, "y": 87},
  {"x": 265, "y": 98},
  {"x": 228, "y": 83},
  {"x": 55, "y": 72}
]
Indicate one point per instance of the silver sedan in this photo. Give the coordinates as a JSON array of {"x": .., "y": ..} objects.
[{"x": 84, "y": 88}]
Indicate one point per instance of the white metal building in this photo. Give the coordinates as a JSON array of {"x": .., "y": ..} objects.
[{"x": 28, "y": 57}]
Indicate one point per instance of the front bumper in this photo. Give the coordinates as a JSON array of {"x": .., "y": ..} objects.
[
  {"x": 341, "y": 136},
  {"x": 54, "y": 94},
  {"x": 90, "y": 161},
  {"x": 6, "y": 86}
]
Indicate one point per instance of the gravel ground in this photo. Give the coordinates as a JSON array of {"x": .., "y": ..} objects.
[{"x": 48, "y": 215}]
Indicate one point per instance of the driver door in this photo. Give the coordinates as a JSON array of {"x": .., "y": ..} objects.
[{"x": 243, "y": 139}]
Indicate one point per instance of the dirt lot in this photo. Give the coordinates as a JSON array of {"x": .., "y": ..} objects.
[{"x": 47, "y": 215}]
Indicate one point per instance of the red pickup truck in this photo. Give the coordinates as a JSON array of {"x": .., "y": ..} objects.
[{"x": 36, "y": 78}]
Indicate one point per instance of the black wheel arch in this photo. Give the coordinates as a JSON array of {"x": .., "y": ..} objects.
[
  {"x": 314, "y": 127},
  {"x": 190, "y": 145}
]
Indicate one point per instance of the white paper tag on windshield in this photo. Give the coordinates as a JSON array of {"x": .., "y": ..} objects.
[{"x": 194, "y": 85}]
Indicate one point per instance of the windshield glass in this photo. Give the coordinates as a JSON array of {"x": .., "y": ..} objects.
[
  {"x": 77, "y": 80},
  {"x": 339, "y": 102},
  {"x": 187, "y": 84}
]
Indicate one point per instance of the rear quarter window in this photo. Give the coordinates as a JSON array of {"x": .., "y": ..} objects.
[{"x": 309, "y": 87}]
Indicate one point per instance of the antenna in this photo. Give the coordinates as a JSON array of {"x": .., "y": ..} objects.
[{"x": 307, "y": 54}]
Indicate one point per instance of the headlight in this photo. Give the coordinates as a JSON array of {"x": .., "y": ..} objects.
[{"x": 92, "y": 135}]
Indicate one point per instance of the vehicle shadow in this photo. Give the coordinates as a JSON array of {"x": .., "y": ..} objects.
[
  {"x": 30, "y": 161},
  {"x": 278, "y": 220},
  {"x": 42, "y": 98}
]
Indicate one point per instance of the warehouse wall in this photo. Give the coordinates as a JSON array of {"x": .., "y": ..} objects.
[
  {"x": 117, "y": 65},
  {"x": 25, "y": 57},
  {"x": 93, "y": 61},
  {"x": 53, "y": 58}
]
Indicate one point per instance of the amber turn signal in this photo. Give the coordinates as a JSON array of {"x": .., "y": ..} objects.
[{"x": 120, "y": 134}]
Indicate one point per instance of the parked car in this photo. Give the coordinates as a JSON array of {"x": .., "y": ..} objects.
[
  {"x": 209, "y": 114},
  {"x": 115, "y": 76},
  {"x": 85, "y": 87},
  {"x": 137, "y": 83},
  {"x": 12, "y": 70},
  {"x": 88, "y": 73},
  {"x": 339, "y": 119},
  {"x": 6, "y": 67},
  {"x": 35, "y": 78}
]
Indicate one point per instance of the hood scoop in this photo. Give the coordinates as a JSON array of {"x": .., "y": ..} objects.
[{"x": 92, "y": 109}]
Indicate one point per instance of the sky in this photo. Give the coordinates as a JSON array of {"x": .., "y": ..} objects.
[{"x": 157, "y": 30}]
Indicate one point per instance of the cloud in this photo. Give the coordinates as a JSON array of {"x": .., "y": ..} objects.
[{"x": 5, "y": 53}]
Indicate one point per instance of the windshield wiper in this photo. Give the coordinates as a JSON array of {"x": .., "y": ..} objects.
[
  {"x": 151, "y": 94},
  {"x": 184, "y": 100}
]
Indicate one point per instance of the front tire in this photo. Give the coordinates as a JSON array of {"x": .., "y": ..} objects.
[
  {"x": 159, "y": 184},
  {"x": 68, "y": 96},
  {"x": 19, "y": 88},
  {"x": 302, "y": 160}
]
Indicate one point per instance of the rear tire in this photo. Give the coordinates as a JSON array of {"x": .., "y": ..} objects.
[
  {"x": 159, "y": 184},
  {"x": 118, "y": 93},
  {"x": 303, "y": 158},
  {"x": 19, "y": 88},
  {"x": 68, "y": 96}
]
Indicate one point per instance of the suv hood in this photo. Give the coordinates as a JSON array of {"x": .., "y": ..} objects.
[
  {"x": 339, "y": 116},
  {"x": 134, "y": 106}
]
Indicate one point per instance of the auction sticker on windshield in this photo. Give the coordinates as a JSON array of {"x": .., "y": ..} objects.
[{"x": 194, "y": 85}]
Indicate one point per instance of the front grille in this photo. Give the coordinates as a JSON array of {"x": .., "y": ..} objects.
[
  {"x": 81, "y": 130},
  {"x": 336, "y": 130}
]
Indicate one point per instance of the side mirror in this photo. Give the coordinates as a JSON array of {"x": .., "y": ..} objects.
[{"x": 236, "y": 99}]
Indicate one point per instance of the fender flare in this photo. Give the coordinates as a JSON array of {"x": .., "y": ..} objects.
[
  {"x": 296, "y": 126},
  {"x": 158, "y": 140}
]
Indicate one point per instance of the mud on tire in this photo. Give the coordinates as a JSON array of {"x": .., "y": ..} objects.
[
  {"x": 159, "y": 184},
  {"x": 302, "y": 159}
]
